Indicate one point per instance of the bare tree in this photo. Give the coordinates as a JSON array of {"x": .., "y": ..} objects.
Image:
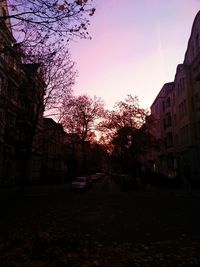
[
  {"x": 59, "y": 73},
  {"x": 81, "y": 115},
  {"x": 126, "y": 114},
  {"x": 47, "y": 21},
  {"x": 42, "y": 29}
]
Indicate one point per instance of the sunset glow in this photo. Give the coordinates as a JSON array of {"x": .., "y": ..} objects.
[{"x": 135, "y": 48}]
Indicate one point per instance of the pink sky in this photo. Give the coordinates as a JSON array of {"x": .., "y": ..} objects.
[{"x": 135, "y": 48}]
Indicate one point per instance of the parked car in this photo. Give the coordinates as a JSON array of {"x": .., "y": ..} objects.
[
  {"x": 97, "y": 176},
  {"x": 80, "y": 183}
]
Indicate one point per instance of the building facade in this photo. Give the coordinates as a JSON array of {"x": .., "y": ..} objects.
[
  {"x": 162, "y": 130},
  {"x": 176, "y": 110},
  {"x": 54, "y": 163},
  {"x": 10, "y": 76},
  {"x": 21, "y": 111}
]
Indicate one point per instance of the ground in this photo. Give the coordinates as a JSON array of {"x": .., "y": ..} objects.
[{"x": 51, "y": 226}]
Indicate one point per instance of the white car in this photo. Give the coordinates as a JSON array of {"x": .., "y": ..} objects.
[
  {"x": 96, "y": 176},
  {"x": 80, "y": 183}
]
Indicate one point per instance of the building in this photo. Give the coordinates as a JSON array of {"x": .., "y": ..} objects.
[
  {"x": 191, "y": 157},
  {"x": 10, "y": 79},
  {"x": 176, "y": 110},
  {"x": 54, "y": 164},
  {"x": 162, "y": 130},
  {"x": 30, "y": 122},
  {"x": 21, "y": 111}
]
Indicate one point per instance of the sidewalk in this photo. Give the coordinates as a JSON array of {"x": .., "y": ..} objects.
[
  {"x": 33, "y": 190},
  {"x": 167, "y": 192}
]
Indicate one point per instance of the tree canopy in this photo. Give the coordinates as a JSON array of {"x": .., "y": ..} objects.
[
  {"x": 47, "y": 21},
  {"x": 126, "y": 114},
  {"x": 81, "y": 115}
]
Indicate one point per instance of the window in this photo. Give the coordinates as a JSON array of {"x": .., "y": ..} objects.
[
  {"x": 192, "y": 103},
  {"x": 175, "y": 121},
  {"x": 163, "y": 106},
  {"x": 174, "y": 98},
  {"x": 10, "y": 120},
  {"x": 165, "y": 142},
  {"x": 164, "y": 124},
  {"x": 182, "y": 83},
  {"x": 177, "y": 139},
  {"x": 168, "y": 120},
  {"x": 184, "y": 135},
  {"x": 182, "y": 109},
  {"x": 168, "y": 102},
  {"x": 169, "y": 139}
]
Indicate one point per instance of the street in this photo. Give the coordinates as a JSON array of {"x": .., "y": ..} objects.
[{"x": 154, "y": 221}]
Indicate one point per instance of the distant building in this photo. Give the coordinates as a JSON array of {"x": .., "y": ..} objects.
[
  {"x": 162, "y": 113},
  {"x": 54, "y": 164}
]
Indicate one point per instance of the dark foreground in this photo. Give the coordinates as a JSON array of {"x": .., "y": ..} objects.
[{"x": 52, "y": 226}]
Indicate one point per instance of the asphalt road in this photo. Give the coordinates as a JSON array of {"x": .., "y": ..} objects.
[{"x": 105, "y": 214}]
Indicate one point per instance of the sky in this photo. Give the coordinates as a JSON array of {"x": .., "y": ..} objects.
[{"x": 135, "y": 48}]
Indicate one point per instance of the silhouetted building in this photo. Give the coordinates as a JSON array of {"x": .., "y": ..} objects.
[
  {"x": 54, "y": 152},
  {"x": 21, "y": 111},
  {"x": 176, "y": 110},
  {"x": 10, "y": 74},
  {"x": 30, "y": 121},
  {"x": 162, "y": 112}
]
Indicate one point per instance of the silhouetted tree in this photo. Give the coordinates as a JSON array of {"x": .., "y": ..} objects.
[
  {"x": 47, "y": 21},
  {"x": 56, "y": 79},
  {"x": 131, "y": 145},
  {"x": 126, "y": 114},
  {"x": 96, "y": 158},
  {"x": 41, "y": 27},
  {"x": 59, "y": 74},
  {"x": 80, "y": 116}
]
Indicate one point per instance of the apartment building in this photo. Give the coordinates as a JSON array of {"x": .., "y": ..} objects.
[
  {"x": 30, "y": 121},
  {"x": 176, "y": 111},
  {"x": 191, "y": 158},
  {"x": 54, "y": 163},
  {"x": 10, "y": 75},
  {"x": 162, "y": 113},
  {"x": 21, "y": 110}
]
